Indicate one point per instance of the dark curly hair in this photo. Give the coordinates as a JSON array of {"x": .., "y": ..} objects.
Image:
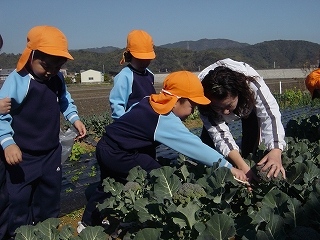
[{"x": 222, "y": 82}]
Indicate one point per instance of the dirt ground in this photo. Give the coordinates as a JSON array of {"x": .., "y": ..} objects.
[{"x": 93, "y": 99}]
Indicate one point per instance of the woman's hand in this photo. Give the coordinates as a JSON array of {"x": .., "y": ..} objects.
[{"x": 273, "y": 160}]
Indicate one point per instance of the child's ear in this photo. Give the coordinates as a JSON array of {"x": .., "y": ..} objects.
[{"x": 175, "y": 105}]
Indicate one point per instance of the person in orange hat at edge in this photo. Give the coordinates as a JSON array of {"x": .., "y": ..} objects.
[
  {"x": 29, "y": 134},
  {"x": 313, "y": 83},
  {"x": 134, "y": 81},
  {"x": 5, "y": 105},
  {"x": 131, "y": 140}
]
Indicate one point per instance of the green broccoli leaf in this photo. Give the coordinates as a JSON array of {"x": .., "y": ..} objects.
[
  {"x": 92, "y": 233},
  {"x": 220, "y": 226},
  {"x": 148, "y": 233},
  {"x": 141, "y": 207},
  {"x": 166, "y": 184},
  {"x": 189, "y": 212}
]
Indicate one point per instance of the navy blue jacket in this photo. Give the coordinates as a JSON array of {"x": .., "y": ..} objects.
[
  {"x": 34, "y": 121},
  {"x": 130, "y": 86},
  {"x": 142, "y": 128}
]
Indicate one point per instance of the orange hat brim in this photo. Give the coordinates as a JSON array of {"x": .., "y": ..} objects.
[
  {"x": 149, "y": 55},
  {"x": 200, "y": 100}
]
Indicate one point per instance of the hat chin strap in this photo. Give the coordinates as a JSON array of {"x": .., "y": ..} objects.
[
  {"x": 32, "y": 55},
  {"x": 167, "y": 92},
  {"x": 31, "y": 60}
]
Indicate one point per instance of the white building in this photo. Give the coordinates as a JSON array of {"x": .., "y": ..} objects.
[
  {"x": 91, "y": 76},
  {"x": 4, "y": 73},
  {"x": 266, "y": 74}
]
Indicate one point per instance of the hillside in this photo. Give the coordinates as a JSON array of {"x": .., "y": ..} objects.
[
  {"x": 195, "y": 55},
  {"x": 205, "y": 44},
  {"x": 99, "y": 50}
]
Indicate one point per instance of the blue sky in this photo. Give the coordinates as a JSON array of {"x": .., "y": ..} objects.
[{"x": 100, "y": 23}]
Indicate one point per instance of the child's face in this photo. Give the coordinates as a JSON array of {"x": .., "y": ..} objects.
[
  {"x": 46, "y": 66},
  {"x": 184, "y": 108},
  {"x": 225, "y": 106},
  {"x": 140, "y": 64}
]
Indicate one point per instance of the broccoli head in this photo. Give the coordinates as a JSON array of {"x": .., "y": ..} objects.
[
  {"x": 263, "y": 174},
  {"x": 187, "y": 192},
  {"x": 133, "y": 186}
]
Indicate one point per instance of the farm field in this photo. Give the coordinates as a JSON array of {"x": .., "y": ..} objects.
[
  {"x": 284, "y": 208},
  {"x": 93, "y": 99}
]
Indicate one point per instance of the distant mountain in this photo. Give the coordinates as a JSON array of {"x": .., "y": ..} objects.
[
  {"x": 284, "y": 53},
  {"x": 195, "y": 55},
  {"x": 199, "y": 45},
  {"x": 205, "y": 44},
  {"x": 101, "y": 49}
]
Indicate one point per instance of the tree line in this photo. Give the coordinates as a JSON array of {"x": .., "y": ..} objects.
[{"x": 265, "y": 55}]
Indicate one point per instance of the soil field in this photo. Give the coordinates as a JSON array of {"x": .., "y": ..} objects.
[{"x": 94, "y": 99}]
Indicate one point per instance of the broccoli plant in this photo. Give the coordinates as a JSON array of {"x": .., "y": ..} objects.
[
  {"x": 187, "y": 200},
  {"x": 187, "y": 192},
  {"x": 263, "y": 174}
]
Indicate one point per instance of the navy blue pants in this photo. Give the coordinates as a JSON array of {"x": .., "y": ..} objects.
[
  {"x": 250, "y": 134},
  {"x": 115, "y": 163},
  {"x": 4, "y": 199},
  {"x": 34, "y": 187}
]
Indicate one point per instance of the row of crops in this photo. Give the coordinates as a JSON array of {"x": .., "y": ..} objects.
[{"x": 185, "y": 200}]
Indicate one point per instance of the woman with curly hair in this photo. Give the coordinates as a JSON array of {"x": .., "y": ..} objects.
[{"x": 236, "y": 92}]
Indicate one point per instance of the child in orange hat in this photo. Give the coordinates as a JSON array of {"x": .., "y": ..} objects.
[
  {"x": 5, "y": 103},
  {"x": 131, "y": 140},
  {"x": 29, "y": 134},
  {"x": 134, "y": 81},
  {"x": 313, "y": 83},
  {"x": 4, "y": 108}
]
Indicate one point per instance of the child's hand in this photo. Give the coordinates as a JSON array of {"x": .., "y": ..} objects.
[
  {"x": 241, "y": 177},
  {"x": 5, "y": 105},
  {"x": 239, "y": 174},
  {"x": 13, "y": 154},
  {"x": 81, "y": 129},
  {"x": 250, "y": 175}
]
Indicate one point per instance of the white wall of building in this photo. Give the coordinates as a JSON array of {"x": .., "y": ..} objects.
[
  {"x": 266, "y": 74},
  {"x": 91, "y": 76}
]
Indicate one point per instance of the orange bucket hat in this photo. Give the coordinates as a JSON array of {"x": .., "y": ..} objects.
[
  {"x": 140, "y": 45},
  {"x": 181, "y": 84},
  {"x": 47, "y": 39},
  {"x": 313, "y": 81}
]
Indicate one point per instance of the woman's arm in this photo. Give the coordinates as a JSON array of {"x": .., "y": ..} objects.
[{"x": 272, "y": 130}]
